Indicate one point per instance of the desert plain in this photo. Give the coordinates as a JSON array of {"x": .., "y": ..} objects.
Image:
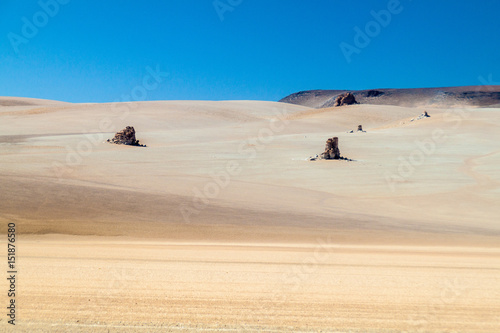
[{"x": 223, "y": 224}]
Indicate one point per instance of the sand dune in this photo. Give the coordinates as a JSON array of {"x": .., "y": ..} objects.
[
  {"x": 24, "y": 101},
  {"x": 222, "y": 224}
]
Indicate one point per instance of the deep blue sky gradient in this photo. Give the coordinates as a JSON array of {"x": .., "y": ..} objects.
[{"x": 97, "y": 51}]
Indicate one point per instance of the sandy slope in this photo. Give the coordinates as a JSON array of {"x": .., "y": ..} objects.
[{"x": 412, "y": 220}]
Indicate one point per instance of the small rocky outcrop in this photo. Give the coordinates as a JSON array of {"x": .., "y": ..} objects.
[
  {"x": 374, "y": 93},
  {"x": 332, "y": 151},
  {"x": 422, "y": 116},
  {"x": 360, "y": 129},
  {"x": 345, "y": 99},
  {"x": 126, "y": 137}
]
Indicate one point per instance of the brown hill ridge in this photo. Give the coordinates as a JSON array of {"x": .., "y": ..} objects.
[{"x": 467, "y": 95}]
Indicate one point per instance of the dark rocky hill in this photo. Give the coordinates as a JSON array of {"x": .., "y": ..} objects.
[{"x": 450, "y": 96}]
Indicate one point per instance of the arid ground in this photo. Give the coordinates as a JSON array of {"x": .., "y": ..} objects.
[{"x": 222, "y": 224}]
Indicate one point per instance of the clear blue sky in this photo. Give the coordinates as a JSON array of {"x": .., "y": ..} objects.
[{"x": 98, "y": 51}]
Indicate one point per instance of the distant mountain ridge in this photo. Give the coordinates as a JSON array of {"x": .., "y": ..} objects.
[{"x": 447, "y": 96}]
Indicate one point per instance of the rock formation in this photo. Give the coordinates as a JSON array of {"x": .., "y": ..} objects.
[
  {"x": 126, "y": 137},
  {"x": 422, "y": 116},
  {"x": 332, "y": 151},
  {"x": 345, "y": 99},
  {"x": 360, "y": 129},
  {"x": 374, "y": 93}
]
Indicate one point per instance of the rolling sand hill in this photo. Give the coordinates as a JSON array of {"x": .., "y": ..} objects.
[
  {"x": 222, "y": 224},
  {"x": 418, "y": 97}
]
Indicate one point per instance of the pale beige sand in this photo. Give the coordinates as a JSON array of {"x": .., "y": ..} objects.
[{"x": 103, "y": 242}]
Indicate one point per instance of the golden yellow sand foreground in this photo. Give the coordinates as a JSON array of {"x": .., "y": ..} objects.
[
  {"x": 222, "y": 224},
  {"x": 95, "y": 284}
]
